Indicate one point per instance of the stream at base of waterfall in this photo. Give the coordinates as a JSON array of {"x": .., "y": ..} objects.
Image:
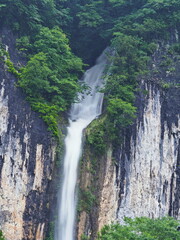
[{"x": 81, "y": 115}]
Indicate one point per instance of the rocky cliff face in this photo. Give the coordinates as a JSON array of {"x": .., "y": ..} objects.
[
  {"x": 148, "y": 172},
  {"x": 142, "y": 176},
  {"x": 27, "y": 155},
  {"x": 148, "y": 162}
]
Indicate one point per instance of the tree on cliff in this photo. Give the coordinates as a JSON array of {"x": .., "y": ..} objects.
[{"x": 142, "y": 229}]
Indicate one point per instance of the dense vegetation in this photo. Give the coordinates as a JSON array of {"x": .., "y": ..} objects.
[
  {"x": 142, "y": 229},
  {"x": 1, "y": 236},
  {"x": 132, "y": 28},
  {"x": 50, "y": 76}
]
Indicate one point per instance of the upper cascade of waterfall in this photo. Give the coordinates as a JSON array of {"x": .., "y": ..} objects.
[{"x": 90, "y": 104}]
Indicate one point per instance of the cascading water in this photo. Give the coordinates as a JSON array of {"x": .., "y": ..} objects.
[{"x": 81, "y": 115}]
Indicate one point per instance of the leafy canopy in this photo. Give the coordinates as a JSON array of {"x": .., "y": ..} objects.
[
  {"x": 27, "y": 16},
  {"x": 50, "y": 78},
  {"x": 142, "y": 229}
]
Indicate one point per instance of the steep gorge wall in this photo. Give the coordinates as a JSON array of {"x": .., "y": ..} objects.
[
  {"x": 148, "y": 162},
  {"x": 141, "y": 177},
  {"x": 148, "y": 172},
  {"x": 99, "y": 180},
  {"x": 27, "y": 157}
]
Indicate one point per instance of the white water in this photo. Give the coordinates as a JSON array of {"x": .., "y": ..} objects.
[{"x": 80, "y": 116}]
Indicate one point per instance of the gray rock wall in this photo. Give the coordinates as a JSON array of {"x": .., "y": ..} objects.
[
  {"x": 27, "y": 155},
  {"x": 148, "y": 174}
]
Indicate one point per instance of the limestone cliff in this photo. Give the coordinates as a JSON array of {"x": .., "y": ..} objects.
[
  {"x": 27, "y": 155},
  {"x": 148, "y": 172},
  {"x": 148, "y": 162},
  {"x": 140, "y": 177}
]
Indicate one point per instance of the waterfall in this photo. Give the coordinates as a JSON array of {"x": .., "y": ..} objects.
[{"x": 81, "y": 115}]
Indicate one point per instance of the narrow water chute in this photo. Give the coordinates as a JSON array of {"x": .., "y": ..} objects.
[{"x": 81, "y": 115}]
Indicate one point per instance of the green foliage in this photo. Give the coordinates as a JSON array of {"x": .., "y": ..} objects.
[
  {"x": 96, "y": 136},
  {"x": 2, "y": 5},
  {"x": 132, "y": 28},
  {"x": 65, "y": 67},
  {"x": 92, "y": 23},
  {"x": 6, "y": 59},
  {"x": 88, "y": 16},
  {"x": 35, "y": 75},
  {"x": 129, "y": 61},
  {"x": 166, "y": 62},
  {"x": 95, "y": 21},
  {"x": 87, "y": 199},
  {"x": 3, "y": 52},
  {"x": 176, "y": 48},
  {"x": 50, "y": 77},
  {"x": 121, "y": 112},
  {"x": 131, "y": 58},
  {"x": 30, "y": 16},
  {"x": 84, "y": 237},
  {"x": 23, "y": 43},
  {"x": 11, "y": 68},
  {"x": 51, "y": 232},
  {"x": 166, "y": 85},
  {"x": 1, "y": 236},
  {"x": 49, "y": 114},
  {"x": 142, "y": 229}
]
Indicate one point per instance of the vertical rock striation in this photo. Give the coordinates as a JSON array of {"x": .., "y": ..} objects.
[
  {"x": 100, "y": 180},
  {"x": 27, "y": 154},
  {"x": 149, "y": 173},
  {"x": 146, "y": 178}
]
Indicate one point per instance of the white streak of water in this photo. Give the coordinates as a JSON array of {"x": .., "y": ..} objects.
[{"x": 80, "y": 116}]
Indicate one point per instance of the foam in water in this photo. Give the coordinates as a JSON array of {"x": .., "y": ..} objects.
[{"x": 80, "y": 116}]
